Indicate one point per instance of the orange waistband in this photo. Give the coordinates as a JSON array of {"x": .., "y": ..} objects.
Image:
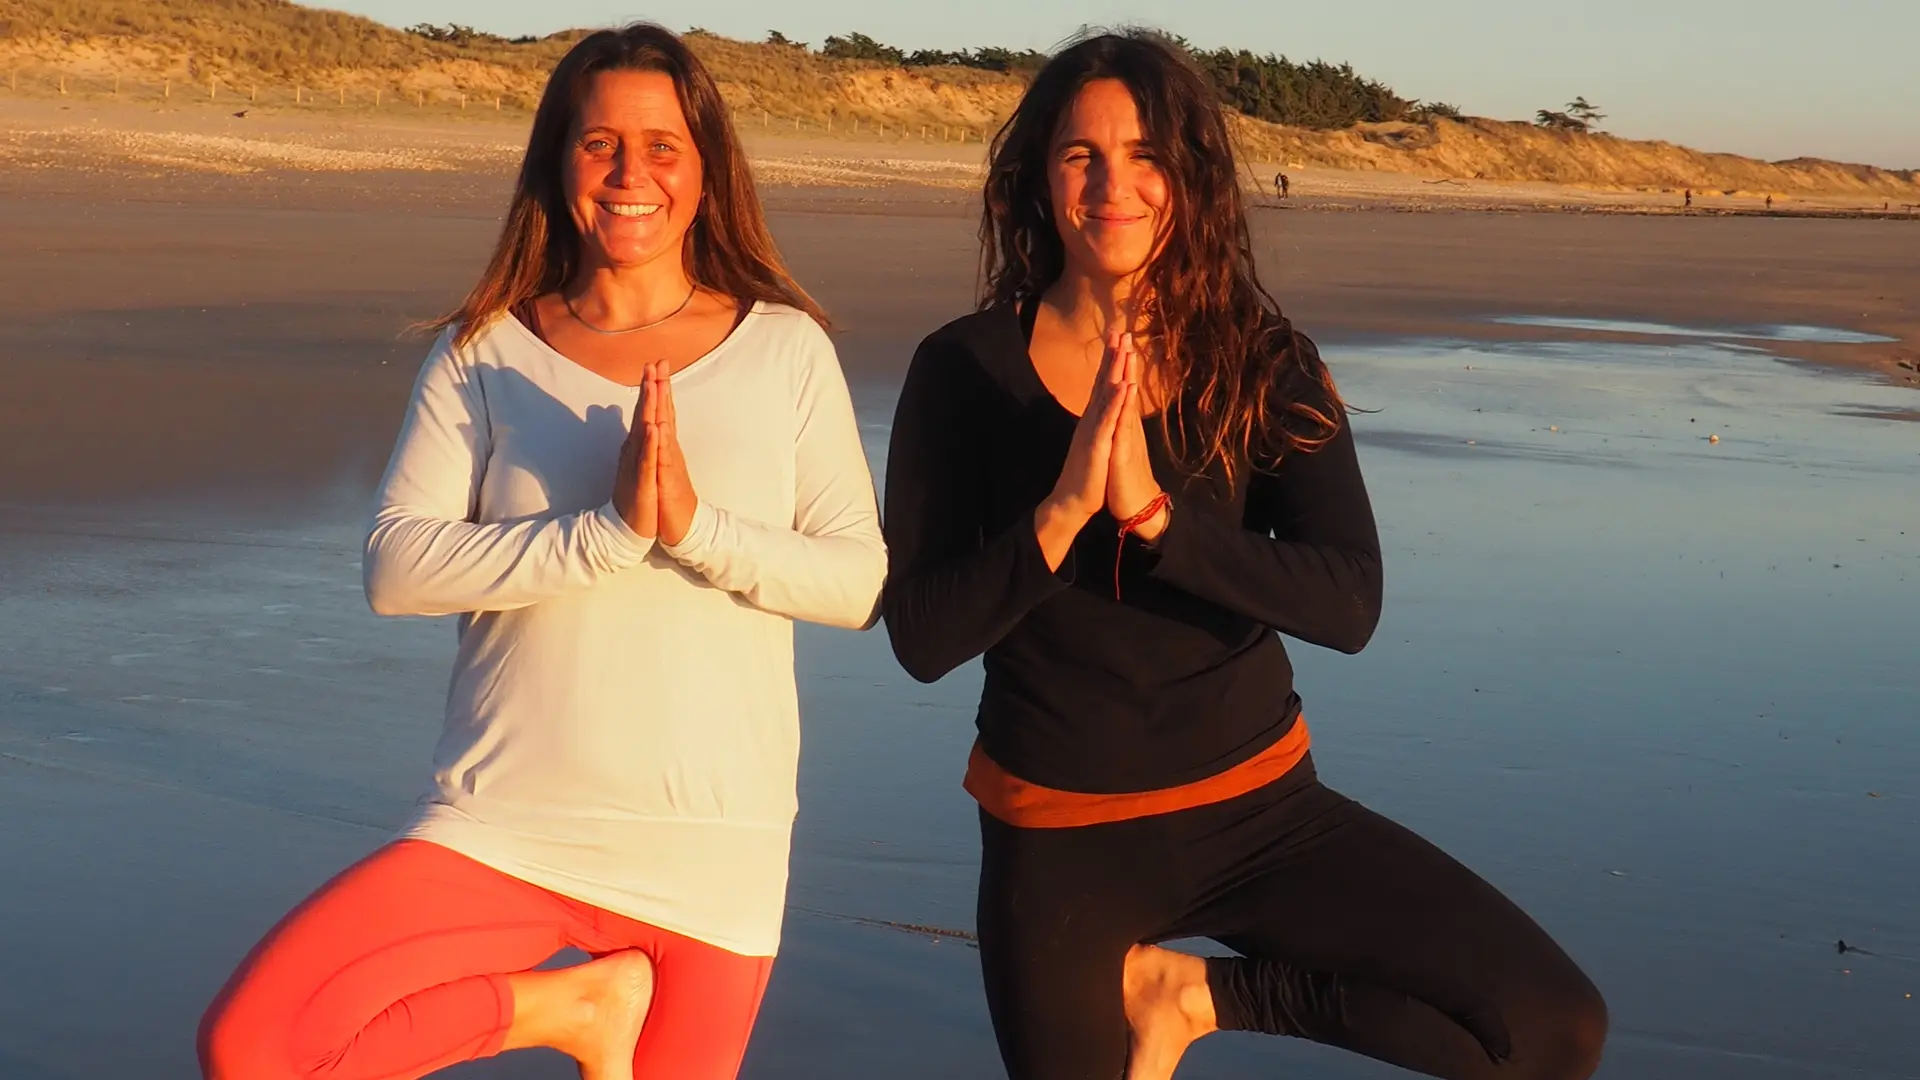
[{"x": 1031, "y": 806}]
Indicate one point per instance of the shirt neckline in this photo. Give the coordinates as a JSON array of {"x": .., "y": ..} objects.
[{"x": 701, "y": 361}]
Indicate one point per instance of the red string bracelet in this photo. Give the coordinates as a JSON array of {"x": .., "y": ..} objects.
[{"x": 1155, "y": 505}]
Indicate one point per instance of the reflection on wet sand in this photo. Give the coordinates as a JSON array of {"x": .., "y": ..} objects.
[{"x": 1650, "y": 699}]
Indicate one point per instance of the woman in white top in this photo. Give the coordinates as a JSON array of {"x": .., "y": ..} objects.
[{"x": 630, "y": 462}]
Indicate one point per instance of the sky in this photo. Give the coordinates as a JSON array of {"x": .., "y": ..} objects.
[{"x": 1834, "y": 78}]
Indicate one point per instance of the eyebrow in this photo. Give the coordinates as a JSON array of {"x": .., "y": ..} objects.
[
  {"x": 647, "y": 133},
  {"x": 1089, "y": 144}
]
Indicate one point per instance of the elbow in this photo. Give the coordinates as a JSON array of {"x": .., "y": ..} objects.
[
  {"x": 873, "y": 592},
  {"x": 923, "y": 669},
  {"x": 383, "y": 595},
  {"x": 1364, "y": 617},
  {"x": 863, "y": 606},
  {"x": 921, "y": 638},
  {"x": 855, "y": 618},
  {"x": 917, "y": 657},
  {"x": 386, "y": 606},
  {"x": 386, "y": 588},
  {"x": 1354, "y": 636}
]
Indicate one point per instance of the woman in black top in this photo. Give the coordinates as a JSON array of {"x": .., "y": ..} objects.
[{"x": 1120, "y": 481}]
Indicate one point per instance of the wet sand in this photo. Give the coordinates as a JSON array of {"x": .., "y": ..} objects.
[
  {"x": 253, "y": 331},
  {"x": 1661, "y": 692}
]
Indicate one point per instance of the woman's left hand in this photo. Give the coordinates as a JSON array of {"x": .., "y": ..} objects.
[
  {"x": 1130, "y": 482},
  {"x": 677, "y": 498}
]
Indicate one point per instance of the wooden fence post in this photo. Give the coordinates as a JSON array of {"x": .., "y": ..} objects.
[{"x": 343, "y": 95}]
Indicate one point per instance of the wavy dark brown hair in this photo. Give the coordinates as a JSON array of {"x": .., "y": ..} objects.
[
  {"x": 1225, "y": 349},
  {"x": 728, "y": 249}
]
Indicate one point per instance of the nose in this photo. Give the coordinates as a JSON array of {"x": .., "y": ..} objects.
[
  {"x": 1100, "y": 180},
  {"x": 626, "y": 171}
]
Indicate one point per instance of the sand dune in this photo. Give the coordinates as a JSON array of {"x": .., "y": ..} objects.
[{"x": 287, "y": 55}]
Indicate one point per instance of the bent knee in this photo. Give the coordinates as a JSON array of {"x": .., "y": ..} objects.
[
  {"x": 1574, "y": 1037},
  {"x": 233, "y": 1046},
  {"x": 221, "y": 1045}
]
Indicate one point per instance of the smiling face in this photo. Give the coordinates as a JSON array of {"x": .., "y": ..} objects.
[
  {"x": 633, "y": 175},
  {"x": 1110, "y": 194}
]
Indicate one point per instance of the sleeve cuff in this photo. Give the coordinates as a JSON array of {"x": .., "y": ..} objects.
[
  {"x": 627, "y": 547},
  {"x": 1170, "y": 551},
  {"x": 1030, "y": 565},
  {"x": 700, "y": 534}
]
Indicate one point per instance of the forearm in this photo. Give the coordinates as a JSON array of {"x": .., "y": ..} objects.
[
  {"x": 418, "y": 564},
  {"x": 832, "y": 577}
]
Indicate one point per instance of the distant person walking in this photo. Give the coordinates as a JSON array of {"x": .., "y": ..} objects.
[
  {"x": 629, "y": 464},
  {"x": 1689, "y": 203},
  {"x": 1283, "y": 184},
  {"x": 1119, "y": 482}
]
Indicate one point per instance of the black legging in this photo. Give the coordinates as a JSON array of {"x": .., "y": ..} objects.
[{"x": 1352, "y": 931}]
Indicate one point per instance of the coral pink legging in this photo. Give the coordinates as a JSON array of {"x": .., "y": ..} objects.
[{"x": 398, "y": 968}]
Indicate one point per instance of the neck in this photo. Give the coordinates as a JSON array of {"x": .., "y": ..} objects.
[
  {"x": 1093, "y": 303},
  {"x": 618, "y": 296}
]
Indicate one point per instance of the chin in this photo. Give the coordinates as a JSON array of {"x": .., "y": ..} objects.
[
  {"x": 624, "y": 255},
  {"x": 1119, "y": 266}
]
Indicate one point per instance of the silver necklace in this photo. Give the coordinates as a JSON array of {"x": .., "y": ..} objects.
[{"x": 581, "y": 319}]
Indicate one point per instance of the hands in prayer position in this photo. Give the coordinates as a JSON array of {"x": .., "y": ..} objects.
[
  {"x": 1107, "y": 466},
  {"x": 651, "y": 489}
]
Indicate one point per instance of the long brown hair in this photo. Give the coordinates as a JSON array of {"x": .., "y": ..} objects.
[
  {"x": 1225, "y": 349},
  {"x": 729, "y": 251}
]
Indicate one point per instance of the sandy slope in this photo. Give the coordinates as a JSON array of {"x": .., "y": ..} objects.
[
  {"x": 184, "y": 135},
  {"x": 802, "y": 93}
]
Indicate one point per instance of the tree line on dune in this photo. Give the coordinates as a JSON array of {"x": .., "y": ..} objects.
[{"x": 1266, "y": 87}]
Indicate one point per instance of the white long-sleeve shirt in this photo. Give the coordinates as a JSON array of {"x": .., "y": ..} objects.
[{"x": 622, "y": 725}]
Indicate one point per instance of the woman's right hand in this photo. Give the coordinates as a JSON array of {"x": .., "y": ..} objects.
[
  {"x": 1081, "y": 491},
  {"x": 636, "y": 487}
]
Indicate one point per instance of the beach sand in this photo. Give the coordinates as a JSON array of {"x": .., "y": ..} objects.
[
  {"x": 201, "y": 370},
  {"x": 209, "y": 296}
]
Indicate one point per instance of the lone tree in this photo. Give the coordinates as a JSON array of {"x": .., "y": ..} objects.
[
  {"x": 1580, "y": 116},
  {"x": 1586, "y": 113}
]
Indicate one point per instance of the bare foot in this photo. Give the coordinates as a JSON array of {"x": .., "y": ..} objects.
[
  {"x": 591, "y": 1012},
  {"x": 1168, "y": 1006},
  {"x": 620, "y": 1010}
]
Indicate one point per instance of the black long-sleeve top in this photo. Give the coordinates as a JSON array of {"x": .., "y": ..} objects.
[{"x": 1184, "y": 675}]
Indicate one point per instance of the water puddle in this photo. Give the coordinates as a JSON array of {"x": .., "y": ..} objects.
[{"x": 1788, "y": 332}]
